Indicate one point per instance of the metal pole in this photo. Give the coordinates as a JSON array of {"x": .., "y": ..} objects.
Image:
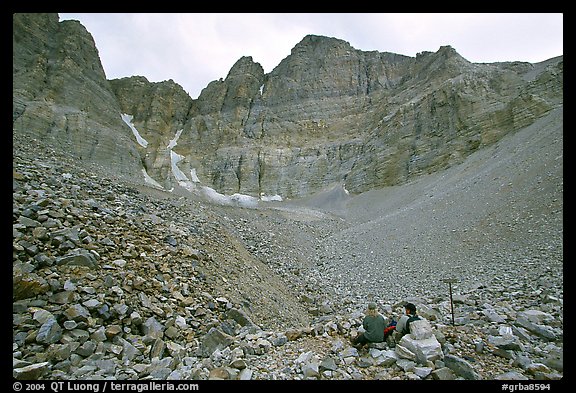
[
  {"x": 450, "y": 281},
  {"x": 451, "y": 303}
]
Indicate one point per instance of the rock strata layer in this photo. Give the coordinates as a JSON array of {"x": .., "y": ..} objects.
[
  {"x": 327, "y": 114},
  {"x": 62, "y": 97}
]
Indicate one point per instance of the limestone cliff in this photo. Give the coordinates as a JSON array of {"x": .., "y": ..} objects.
[
  {"x": 62, "y": 97},
  {"x": 327, "y": 114}
]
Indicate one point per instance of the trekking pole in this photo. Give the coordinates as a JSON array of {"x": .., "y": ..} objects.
[{"x": 450, "y": 281}]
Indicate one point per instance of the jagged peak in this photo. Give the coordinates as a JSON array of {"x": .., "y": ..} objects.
[
  {"x": 447, "y": 49},
  {"x": 143, "y": 81},
  {"x": 134, "y": 79},
  {"x": 245, "y": 66},
  {"x": 449, "y": 52},
  {"x": 446, "y": 62},
  {"x": 314, "y": 45},
  {"x": 312, "y": 40}
]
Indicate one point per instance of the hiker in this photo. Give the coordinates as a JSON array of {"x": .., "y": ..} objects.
[
  {"x": 403, "y": 325},
  {"x": 374, "y": 325}
]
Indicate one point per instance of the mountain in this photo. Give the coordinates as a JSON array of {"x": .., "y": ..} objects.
[
  {"x": 120, "y": 272},
  {"x": 61, "y": 95},
  {"x": 327, "y": 115}
]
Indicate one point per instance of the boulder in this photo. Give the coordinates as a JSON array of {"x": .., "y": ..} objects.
[
  {"x": 212, "y": 341},
  {"x": 428, "y": 349},
  {"x": 461, "y": 367}
]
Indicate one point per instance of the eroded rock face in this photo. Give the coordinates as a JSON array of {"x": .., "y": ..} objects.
[
  {"x": 61, "y": 95},
  {"x": 159, "y": 110},
  {"x": 327, "y": 114}
]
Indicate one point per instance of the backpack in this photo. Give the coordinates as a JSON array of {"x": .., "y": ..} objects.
[{"x": 407, "y": 326}]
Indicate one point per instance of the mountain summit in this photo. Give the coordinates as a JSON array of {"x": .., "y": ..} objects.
[{"x": 328, "y": 114}]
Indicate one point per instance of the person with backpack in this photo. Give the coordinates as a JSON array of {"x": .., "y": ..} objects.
[
  {"x": 374, "y": 325},
  {"x": 403, "y": 325}
]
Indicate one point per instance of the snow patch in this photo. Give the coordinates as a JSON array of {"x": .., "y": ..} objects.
[
  {"x": 174, "y": 159},
  {"x": 269, "y": 198},
  {"x": 128, "y": 120},
  {"x": 234, "y": 199},
  {"x": 193, "y": 183},
  {"x": 149, "y": 180},
  {"x": 187, "y": 185},
  {"x": 244, "y": 200},
  {"x": 175, "y": 140},
  {"x": 215, "y": 195},
  {"x": 194, "y": 176}
]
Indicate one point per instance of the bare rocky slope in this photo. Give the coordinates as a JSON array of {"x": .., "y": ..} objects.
[
  {"x": 499, "y": 212},
  {"x": 119, "y": 280}
]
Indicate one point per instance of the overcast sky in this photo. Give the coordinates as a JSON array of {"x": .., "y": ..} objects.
[{"x": 195, "y": 49}]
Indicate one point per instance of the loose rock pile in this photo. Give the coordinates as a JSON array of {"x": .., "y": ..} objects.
[{"x": 110, "y": 282}]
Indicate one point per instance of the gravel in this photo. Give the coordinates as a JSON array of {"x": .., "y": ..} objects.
[
  {"x": 493, "y": 223},
  {"x": 496, "y": 217}
]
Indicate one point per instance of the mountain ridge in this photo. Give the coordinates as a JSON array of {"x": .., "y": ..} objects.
[{"x": 326, "y": 114}]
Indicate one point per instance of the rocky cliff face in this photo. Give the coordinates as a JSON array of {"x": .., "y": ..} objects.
[
  {"x": 327, "y": 114},
  {"x": 61, "y": 95}
]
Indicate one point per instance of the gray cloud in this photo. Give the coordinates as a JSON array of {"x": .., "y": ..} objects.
[{"x": 195, "y": 49}]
